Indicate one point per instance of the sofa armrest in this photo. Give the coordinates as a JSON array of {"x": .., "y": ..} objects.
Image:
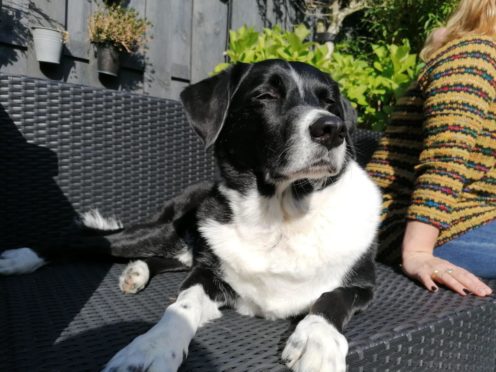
[{"x": 365, "y": 144}]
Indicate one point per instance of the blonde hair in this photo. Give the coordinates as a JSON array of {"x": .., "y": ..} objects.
[{"x": 472, "y": 17}]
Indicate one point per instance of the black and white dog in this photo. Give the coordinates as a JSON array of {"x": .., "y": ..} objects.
[{"x": 289, "y": 230}]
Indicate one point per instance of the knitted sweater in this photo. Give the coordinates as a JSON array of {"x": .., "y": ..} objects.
[{"x": 436, "y": 162}]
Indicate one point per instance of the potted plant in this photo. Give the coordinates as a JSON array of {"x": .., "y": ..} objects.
[
  {"x": 321, "y": 35},
  {"x": 115, "y": 29},
  {"x": 328, "y": 17},
  {"x": 48, "y": 43}
]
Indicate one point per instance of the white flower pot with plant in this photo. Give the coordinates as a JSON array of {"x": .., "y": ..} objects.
[
  {"x": 48, "y": 43},
  {"x": 114, "y": 29}
]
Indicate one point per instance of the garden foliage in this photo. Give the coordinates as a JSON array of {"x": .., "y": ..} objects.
[
  {"x": 372, "y": 85},
  {"x": 391, "y": 21},
  {"x": 374, "y": 61}
]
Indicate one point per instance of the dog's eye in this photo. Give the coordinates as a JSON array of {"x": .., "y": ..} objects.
[
  {"x": 328, "y": 103},
  {"x": 326, "y": 99},
  {"x": 266, "y": 96}
]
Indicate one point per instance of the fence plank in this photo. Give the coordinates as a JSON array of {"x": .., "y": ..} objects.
[
  {"x": 246, "y": 13},
  {"x": 157, "y": 78},
  {"x": 283, "y": 13},
  {"x": 176, "y": 88},
  {"x": 265, "y": 13},
  {"x": 14, "y": 24},
  {"x": 209, "y": 37},
  {"x": 78, "y": 14},
  {"x": 47, "y": 13},
  {"x": 13, "y": 60},
  {"x": 181, "y": 39}
]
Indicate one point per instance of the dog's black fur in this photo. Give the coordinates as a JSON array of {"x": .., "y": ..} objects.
[{"x": 248, "y": 113}]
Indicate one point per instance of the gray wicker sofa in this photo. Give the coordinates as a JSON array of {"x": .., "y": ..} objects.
[{"x": 67, "y": 148}]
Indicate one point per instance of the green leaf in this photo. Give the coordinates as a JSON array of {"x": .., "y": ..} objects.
[
  {"x": 301, "y": 31},
  {"x": 219, "y": 68}
]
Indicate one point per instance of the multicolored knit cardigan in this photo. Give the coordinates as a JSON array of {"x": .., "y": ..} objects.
[{"x": 436, "y": 162}]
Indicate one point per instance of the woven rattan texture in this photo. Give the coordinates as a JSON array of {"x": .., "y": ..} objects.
[
  {"x": 365, "y": 143},
  {"x": 72, "y": 317},
  {"x": 67, "y": 148}
]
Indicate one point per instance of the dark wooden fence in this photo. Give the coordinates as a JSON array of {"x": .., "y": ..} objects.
[{"x": 188, "y": 40}]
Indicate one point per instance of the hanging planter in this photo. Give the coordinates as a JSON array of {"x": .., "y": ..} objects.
[
  {"x": 108, "y": 59},
  {"x": 115, "y": 29},
  {"x": 48, "y": 44},
  {"x": 324, "y": 37},
  {"x": 321, "y": 32}
]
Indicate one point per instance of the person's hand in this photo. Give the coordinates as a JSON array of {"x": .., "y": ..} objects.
[{"x": 431, "y": 270}]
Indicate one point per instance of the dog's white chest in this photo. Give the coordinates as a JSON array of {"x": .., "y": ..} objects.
[{"x": 279, "y": 264}]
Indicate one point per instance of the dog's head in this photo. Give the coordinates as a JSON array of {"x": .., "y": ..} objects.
[{"x": 281, "y": 122}]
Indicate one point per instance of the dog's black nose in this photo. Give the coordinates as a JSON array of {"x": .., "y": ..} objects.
[{"x": 328, "y": 131}]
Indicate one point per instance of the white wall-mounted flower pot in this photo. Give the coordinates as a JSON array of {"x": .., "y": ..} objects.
[{"x": 48, "y": 44}]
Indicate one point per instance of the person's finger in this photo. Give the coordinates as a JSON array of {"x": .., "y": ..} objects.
[
  {"x": 471, "y": 282},
  {"x": 425, "y": 278},
  {"x": 449, "y": 281}
]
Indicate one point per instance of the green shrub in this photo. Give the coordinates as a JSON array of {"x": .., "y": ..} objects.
[
  {"x": 390, "y": 21},
  {"x": 371, "y": 85},
  {"x": 248, "y": 45}
]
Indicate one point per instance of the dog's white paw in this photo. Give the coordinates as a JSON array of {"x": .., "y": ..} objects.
[
  {"x": 153, "y": 352},
  {"x": 316, "y": 346},
  {"x": 19, "y": 261},
  {"x": 134, "y": 277}
]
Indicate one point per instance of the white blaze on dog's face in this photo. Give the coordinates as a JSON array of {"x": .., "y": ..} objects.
[
  {"x": 317, "y": 146},
  {"x": 311, "y": 152},
  {"x": 281, "y": 122}
]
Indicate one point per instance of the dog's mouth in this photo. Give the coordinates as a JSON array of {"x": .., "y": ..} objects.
[{"x": 317, "y": 170}]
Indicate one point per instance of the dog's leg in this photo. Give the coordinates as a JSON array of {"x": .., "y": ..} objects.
[
  {"x": 146, "y": 240},
  {"x": 317, "y": 344},
  {"x": 165, "y": 346},
  {"x": 160, "y": 237},
  {"x": 97, "y": 237},
  {"x": 138, "y": 273}
]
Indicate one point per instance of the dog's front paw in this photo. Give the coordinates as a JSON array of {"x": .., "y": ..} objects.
[
  {"x": 134, "y": 277},
  {"x": 316, "y": 346},
  {"x": 153, "y": 353}
]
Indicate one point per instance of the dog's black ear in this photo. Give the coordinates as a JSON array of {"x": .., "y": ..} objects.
[
  {"x": 206, "y": 103},
  {"x": 350, "y": 118},
  {"x": 349, "y": 114}
]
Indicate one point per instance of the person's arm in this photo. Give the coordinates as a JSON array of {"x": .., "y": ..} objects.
[
  {"x": 419, "y": 263},
  {"x": 458, "y": 91}
]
